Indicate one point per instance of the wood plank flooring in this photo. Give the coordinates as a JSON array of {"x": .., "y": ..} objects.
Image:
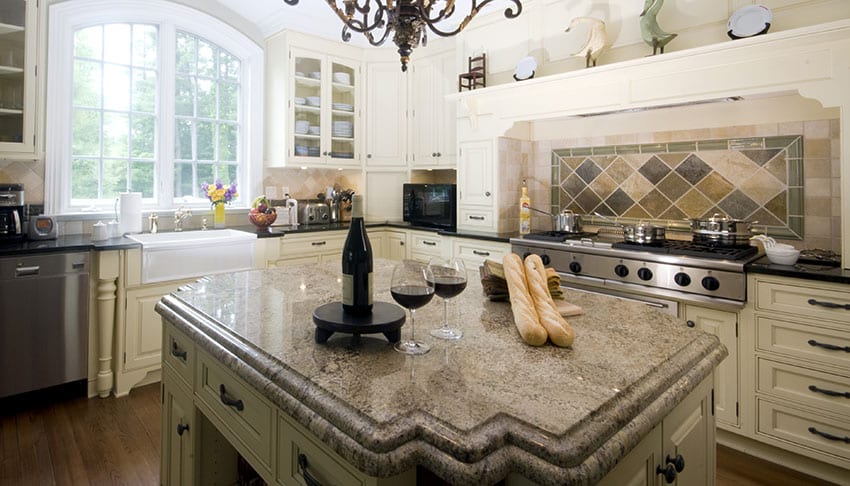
[{"x": 82, "y": 441}]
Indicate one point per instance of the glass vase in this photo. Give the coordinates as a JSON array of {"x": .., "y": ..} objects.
[{"x": 218, "y": 216}]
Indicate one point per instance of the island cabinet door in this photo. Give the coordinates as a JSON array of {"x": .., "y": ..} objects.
[
  {"x": 177, "y": 433},
  {"x": 689, "y": 438},
  {"x": 639, "y": 467}
]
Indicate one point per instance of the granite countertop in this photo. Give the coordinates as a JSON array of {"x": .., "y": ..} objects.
[
  {"x": 472, "y": 411},
  {"x": 70, "y": 243},
  {"x": 808, "y": 271}
]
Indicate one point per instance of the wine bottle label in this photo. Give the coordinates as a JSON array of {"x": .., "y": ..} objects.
[{"x": 348, "y": 289}]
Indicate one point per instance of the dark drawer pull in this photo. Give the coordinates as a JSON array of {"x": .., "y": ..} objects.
[
  {"x": 831, "y": 393},
  {"x": 177, "y": 352},
  {"x": 429, "y": 243},
  {"x": 182, "y": 428},
  {"x": 230, "y": 402},
  {"x": 668, "y": 472},
  {"x": 318, "y": 243},
  {"x": 829, "y": 436},
  {"x": 678, "y": 462},
  {"x": 477, "y": 218},
  {"x": 831, "y": 347},
  {"x": 829, "y": 305},
  {"x": 481, "y": 253},
  {"x": 308, "y": 478}
]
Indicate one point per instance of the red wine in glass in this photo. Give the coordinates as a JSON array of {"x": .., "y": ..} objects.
[
  {"x": 448, "y": 287},
  {"x": 412, "y": 296},
  {"x": 412, "y": 286},
  {"x": 449, "y": 281}
]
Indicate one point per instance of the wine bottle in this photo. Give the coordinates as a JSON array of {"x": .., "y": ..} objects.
[{"x": 357, "y": 264}]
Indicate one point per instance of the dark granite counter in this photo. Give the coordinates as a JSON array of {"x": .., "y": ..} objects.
[
  {"x": 809, "y": 271},
  {"x": 473, "y": 410},
  {"x": 70, "y": 243}
]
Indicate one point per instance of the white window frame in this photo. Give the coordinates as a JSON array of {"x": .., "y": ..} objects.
[{"x": 67, "y": 17}]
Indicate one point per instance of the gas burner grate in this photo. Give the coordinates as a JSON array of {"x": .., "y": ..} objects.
[
  {"x": 558, "y": 236},
  {"x": 689, "y": 248}
]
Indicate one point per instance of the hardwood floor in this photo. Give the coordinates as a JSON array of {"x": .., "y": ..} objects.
[{"x": 82, "y": 441}]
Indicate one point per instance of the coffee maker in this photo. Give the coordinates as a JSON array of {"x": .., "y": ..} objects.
[{"x": 11, "y": 212}]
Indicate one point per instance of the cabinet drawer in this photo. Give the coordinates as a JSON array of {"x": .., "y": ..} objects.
[
  {"x": 324, "y": 465},
  {"x": 815, "y": 343},
  {"x": 474, "y": 252},
  {"x": 803, "y": 429},
  {"x": 321, "y": 243},
  {"x": 476, "y": 218},
  {"x": 426, "y": 244},
  {"x": 179, "y": 353},
  {"x": 247, "y": 415},
  {"x": 809, "y": 387},
  {"x": 808, "y": 302}
]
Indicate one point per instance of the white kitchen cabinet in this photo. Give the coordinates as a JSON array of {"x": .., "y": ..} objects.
[
  {"x": 309, "y": 248},
  {"x": 425, "y": 245},
  {"x": 178, "y": 431},
  {"x": 386, "y": 115},
  {"x": 389, "y": 244},
  {"x": 434, "y": 121},
  {"x": 724, "y": 325},
  {"x": 474, "y": 252},
  {"x": 18, "y": 21},
  {"x": 476, "y": 180}
]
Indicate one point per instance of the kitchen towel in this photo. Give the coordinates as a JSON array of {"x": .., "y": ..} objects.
[{"x": 131, "y": 212}]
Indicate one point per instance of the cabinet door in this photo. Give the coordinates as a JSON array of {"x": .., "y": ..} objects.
[
  {"x": 143, "y": 331},
  {"x": 307, "y": 124},
  {"x": 447, "y": 81},
  {"x": 396, "y": 245},
  {"x": 344, "y": 81},
  {"x": 177, "y": 431},
  {"x": 426, "y": 104},
  {"x": 386, "y": 116},
  {"x": 638, "y": 468},
  {"x": 724, "y": 325},
  {"x": 18, "y": 19},
  {"x": 688, "y": 431},
  {"x": 475, "y": 174}
]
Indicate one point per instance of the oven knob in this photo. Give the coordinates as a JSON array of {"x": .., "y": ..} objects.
[
  {"x": 682, "y": 279},
  {"x": 621, "y": 270},
  {"x": 575, "y": 267},
  {"x": 644, "y": 274},
  {"x": 545, "y": 259},
  {"x": 710, "y": 283}
]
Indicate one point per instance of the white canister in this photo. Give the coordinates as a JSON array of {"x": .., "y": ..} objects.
[
  {"x": 113, "y": 229},
  {"x": 131, "y": 212},
  {"x": 99, "y": 232}
]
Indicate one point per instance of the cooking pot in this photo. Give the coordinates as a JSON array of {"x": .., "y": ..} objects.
[
  {"x": 566, "y": 221},
  {"x": 721, "y": 238},
  {"x": 644, "y": 233},
  {"x": 720, "y": 223}
]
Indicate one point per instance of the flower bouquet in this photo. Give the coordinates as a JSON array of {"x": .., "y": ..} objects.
[{"x": 219, "y": 195}]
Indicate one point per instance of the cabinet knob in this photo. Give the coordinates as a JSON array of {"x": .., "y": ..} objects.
[
  {"x": 678, "y": 462},
  {"x": 368, "y": 156},
  {"x": 433, "y": 154},
  {"x": 439, "y": 154},
  {"x": 668, "y": 471},
  {"x": 182, "y": 428},
  {"x": 691, "y": 323},
  {"x": 487, "y": 193}
]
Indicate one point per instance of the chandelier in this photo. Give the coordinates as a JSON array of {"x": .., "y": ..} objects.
[{"x": 406, "y": 20}]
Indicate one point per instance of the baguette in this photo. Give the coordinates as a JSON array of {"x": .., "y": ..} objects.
[
  {"x": 522, "y": 305},
  {"x": 559, "y": 330}
]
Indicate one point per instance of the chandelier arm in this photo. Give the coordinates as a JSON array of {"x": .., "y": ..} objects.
[
  {"x": 361, "y": 26},
  {"x": 510, "y": 13},
  {"x": 291, "y": 2}
]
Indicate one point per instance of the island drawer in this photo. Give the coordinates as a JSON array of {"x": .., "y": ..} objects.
[
  {"x": 179, "y": 354},
  {"x": 809, "y": 301},
  {"x": 825, "y": 391},
  {"x": 814, "y": 343},
  {"x": 806, "y": 430},
  {"x": 296, "y": 450},
  {"x": 245, "y": 414}
]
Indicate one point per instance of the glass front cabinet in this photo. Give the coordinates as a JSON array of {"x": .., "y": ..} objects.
[
  {"x": 18, "y": 19},
  {"x": 325, "y": 113}
]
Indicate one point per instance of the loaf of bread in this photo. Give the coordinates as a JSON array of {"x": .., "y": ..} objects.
[
  {"x": 560, "y": 332},
  {"x": 522, "y": 304}
]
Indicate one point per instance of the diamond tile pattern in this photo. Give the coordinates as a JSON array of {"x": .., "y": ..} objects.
[{"x": 745, "y": 181}]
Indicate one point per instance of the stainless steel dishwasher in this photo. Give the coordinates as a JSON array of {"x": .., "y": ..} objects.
[{"x": 44, "y": 314}]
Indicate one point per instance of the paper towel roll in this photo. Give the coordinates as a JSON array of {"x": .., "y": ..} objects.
[{"x": 131, "y": 212}]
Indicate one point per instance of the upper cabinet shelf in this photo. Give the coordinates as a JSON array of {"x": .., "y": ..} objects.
[
  {"x": 10, "y": 29},
  {"x": 18, "y": 79}
]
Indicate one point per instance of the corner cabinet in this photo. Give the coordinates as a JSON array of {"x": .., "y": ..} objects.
[
  {"x": 476, "y": 180},
  {"x": 434, "y": 120},
  {"x": 18, "y": 21}
]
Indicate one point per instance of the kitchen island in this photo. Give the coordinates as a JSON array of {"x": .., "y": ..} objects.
[{"x": 243, "y": 366}]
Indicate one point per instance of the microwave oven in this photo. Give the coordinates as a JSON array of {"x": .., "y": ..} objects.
[{"x": 430, "y": 205}]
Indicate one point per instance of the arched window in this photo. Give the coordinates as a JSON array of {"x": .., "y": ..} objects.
[{"x": 148, "y": 96}]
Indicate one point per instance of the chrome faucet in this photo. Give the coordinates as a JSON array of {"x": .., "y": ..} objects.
[{"x": 179, "y": 216}]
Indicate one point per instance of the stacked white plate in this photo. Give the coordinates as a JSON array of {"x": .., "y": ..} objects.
[
  {"x": 342, "y": 78},
  {"x": 301, "y": 150},
  {"x": 314, "y": 101},
  {"x": 316, "y": 75},
  {"x": 302, "y": 126},
  {"x": 300, "y": 101},
  {"x": 343, "y": 106},
  {"x": 314, "y": 130},
  {"x": 343, "y": 129}
]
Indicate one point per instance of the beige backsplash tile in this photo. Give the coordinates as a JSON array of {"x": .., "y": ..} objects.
[{"x": 307, "y": 183}]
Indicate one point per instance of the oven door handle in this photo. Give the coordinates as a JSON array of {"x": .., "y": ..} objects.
[
  {"x": 655, "y": 304},
  {"x": 17, "y": 219}
]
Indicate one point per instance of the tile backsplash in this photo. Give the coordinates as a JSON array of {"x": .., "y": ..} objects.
[{"x": 307, "y": 183}]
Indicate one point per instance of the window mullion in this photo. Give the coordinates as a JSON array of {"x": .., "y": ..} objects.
[{"x": 165, "y": 108}]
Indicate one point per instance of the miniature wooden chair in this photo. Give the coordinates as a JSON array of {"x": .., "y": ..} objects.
[{"x": 477, "y": 75}]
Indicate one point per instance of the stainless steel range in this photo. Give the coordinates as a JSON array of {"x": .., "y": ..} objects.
[{"x": 679, "y": 270}]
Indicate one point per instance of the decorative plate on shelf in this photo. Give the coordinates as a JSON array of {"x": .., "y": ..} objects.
[
  {"x": 749, "y": 21},
  {"x": 525, "y": 68}
]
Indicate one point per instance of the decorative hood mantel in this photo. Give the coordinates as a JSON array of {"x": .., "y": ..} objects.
[{"x": 812, "y": 61}]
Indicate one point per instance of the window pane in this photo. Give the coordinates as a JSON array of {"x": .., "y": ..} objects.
[
  {"x": 206, "y": 98},
  {"x": 116, "y": 43},
  {"x": 227, "y": 144},
  {"x": 114, "y": 179},
  {"x": 84, "y": 179},
  {"x": 144, "y": 46},
  {"x": 85, "y": 132},
  {"x": 185, "y": 53},
  {"x": 184, "y": 103},
  {"x": 144, "y": 90},
  {"x": 206, "y": 59},
  {"x": 144, "y": 135},
  {"x": 183, "y": 183},
  {"x": 206, "y": 141},
  {"x": 229, "y": 65},
  {"x": 229, "y": 173},
  {"x": 228, "y": 100},
  {"x": 88, "y": 42},
  {"x": 116, "y": 87},
  {"x": 206, "y": 173},
  {"x": 141, "y": 178},
  {"x": 86, "y": 84},
  {"x": 116, "y": 131},
  {"x": 183, "y": 140}
]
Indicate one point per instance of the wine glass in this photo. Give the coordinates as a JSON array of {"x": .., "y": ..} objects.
[
  {"x": 412, "y": 287},
  {"x": 449, "y": 281}
]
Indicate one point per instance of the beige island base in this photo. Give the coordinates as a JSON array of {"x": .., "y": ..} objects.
[{"x": 243, "y": 376}]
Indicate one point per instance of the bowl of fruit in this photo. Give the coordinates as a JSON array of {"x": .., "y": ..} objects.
[{"x": 262, "y": 214}]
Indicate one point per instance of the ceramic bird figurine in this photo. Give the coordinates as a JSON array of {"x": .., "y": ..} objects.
[
  {"x": 596, "y": 41},
  {"x": 649, "y": 29}
]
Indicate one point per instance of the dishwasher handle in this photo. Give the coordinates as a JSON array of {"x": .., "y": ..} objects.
[{"x": 27, "y": 271}]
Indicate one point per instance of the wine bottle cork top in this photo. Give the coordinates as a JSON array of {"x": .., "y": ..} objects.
[{"x": 357, "y": 206}]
